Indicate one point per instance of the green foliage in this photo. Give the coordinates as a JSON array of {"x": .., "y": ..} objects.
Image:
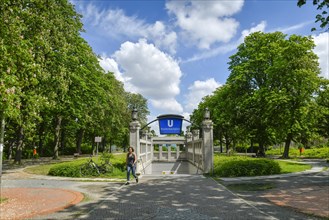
[
  {"x": 106, "y": 157},
  {"x": 315, "y": 152},
  {"x": 72, "y": 168},
  {"x": 323, "y": 17},
  {"x": 68, "y": 169},
  {"x": 119, "y": 161},
  {"x": 243, "y": 166},
  {"x": 53, "y": 92},
  {"x": 270, "y": 95},
  {"x": 140, "y": 103},
  {"x": 291, "y": 167}
]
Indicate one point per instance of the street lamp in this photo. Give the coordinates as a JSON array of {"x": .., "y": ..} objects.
[
  {"x": 206, "y": 114},
  {"x": 134, "y": 114}
]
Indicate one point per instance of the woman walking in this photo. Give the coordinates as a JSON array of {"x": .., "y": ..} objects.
[{"x": 131, "y": 161}]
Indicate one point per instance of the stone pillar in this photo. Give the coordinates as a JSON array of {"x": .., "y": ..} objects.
[
  {"x": 169, "y": 153},
  {"x": 160, "y": 151},
  {"x": 195, "y": 136},
  {"x": 134, "y": 141},
  {"x": 188, "y": 139},
  {"x": 177, "y": 151},
  {"x": 208, "y": 146}
]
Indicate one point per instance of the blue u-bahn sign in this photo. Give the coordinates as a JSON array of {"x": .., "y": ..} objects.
[{"x": 170, "y": 124}]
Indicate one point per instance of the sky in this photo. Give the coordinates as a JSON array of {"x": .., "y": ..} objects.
[{"x": 176, "y": 52}]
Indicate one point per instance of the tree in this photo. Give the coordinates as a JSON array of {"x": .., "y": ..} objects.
[
  {"x": 323, "y": 102},
  {"x": 52, "y": 88},
  {"x": 137, "y": 101},
  {"x": 20, "y": 73},
  {"x": 323, "y": 17},
  {"x": 274, "y": 80}
]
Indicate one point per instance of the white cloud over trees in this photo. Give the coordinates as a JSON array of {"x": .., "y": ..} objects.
[
  {"x": 150, "y": 72},
  {"x": 206, "y": 22},
  {"x": 322, "y": 50},
  {"x": 197, "y": 91}
]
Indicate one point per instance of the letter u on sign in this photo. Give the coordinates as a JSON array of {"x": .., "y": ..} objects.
[{"x": 170, "y": 123}]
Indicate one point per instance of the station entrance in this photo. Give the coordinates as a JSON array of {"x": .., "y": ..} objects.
[{"x": 172, "y": 154}]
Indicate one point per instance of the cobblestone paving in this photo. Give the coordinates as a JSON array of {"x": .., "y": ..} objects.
[{"x": 193, "y": 197}]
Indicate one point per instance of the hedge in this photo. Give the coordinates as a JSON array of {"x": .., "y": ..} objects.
[{"x": 246, "y": 167}]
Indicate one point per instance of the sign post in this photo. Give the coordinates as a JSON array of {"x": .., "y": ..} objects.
[
  {"x": 170, "y": 124},
  {"x": 97, "y": 140}
]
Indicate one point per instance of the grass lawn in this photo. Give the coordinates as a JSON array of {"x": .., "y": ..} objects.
[
  {"x": 286, "y": 167},
  {"x": 39, "y": 170},
  {"x": 292, "y": 167},
  {"x": 44, "y": 169}
]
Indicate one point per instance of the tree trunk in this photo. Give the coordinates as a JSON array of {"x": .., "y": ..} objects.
[
  {"x": 93, "y": 147},
  {"x": 221, "y": 143},
  {"x": 2, "y": 134},
  {"x": 261, "y": 150},
  {"x": 79, "y": 139},
  {"x": 251, "y": 146},
  {"x": 57, "y": 136},
  {"x": 41, "y": 131},
  {"x": 20, "y": 146},
  {"x": 287, "y": 146},
  {"x": 227, "y": 145},
  {"x": 63, "y": 140},
  {"x": 10, "y": 151}
]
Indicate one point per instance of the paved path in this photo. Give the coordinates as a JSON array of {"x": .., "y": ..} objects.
[
  {"x": 187, "y": 197},
  {"x": 166, "y": 197}
]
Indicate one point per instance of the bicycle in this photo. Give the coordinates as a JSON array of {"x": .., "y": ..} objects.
[{"x": 90, "y": 168}]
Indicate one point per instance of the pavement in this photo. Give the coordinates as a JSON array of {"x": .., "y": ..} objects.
[{"x": 303, "y": 195}]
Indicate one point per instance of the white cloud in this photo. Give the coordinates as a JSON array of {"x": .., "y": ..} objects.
[
  {"x": 227, "y": 47},
  {"x": 115, "y": 23},
  {"x": 293, "y": 28},
  {"x": 109, "y": 65},
  {"x": 322, "y": 50},
  {"x": 170, "y": 106},
  {"x": 206, "y": 22},
  {"x": 162, "y": 37},
  {"x": 198, "y": 90},
  {"x": 259, "y": 27},
  {"x": 151, "y": 73}
]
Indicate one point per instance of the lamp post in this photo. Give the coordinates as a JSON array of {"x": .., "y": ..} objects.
[
  {"x": 206, "y": 115},
  {"x": 134, "y": 114}
]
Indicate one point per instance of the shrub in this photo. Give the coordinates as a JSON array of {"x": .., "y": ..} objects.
[
  {"x": 72, "y": 169},
  {"x": 65, "y": 169},
  {"x": 243, "y": 166}
]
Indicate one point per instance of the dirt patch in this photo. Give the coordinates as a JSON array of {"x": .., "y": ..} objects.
[{"x": 25, "y": 203}]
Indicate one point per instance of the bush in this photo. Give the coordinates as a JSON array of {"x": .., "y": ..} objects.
[
  {"x": 72, "y": 169},
  {"x": 119, "y": 161},
  {"x": 65, "y": 169},
  {"x": 243, "y": 166}
]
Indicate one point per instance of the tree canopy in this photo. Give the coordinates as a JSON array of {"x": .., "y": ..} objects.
[
  {"x": 270, "y": 95},
  {"x": 53, "y": 92}
]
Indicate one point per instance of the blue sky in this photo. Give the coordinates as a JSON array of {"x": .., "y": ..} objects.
[{"x": 176, "y": 52}]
